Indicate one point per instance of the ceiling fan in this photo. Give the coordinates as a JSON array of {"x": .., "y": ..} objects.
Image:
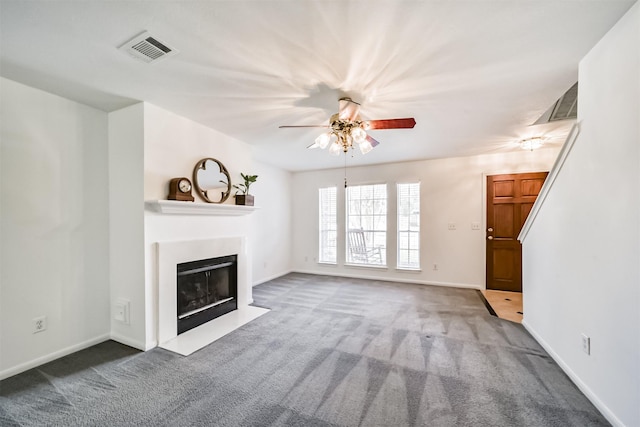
[{"x": 346, "y": 129}]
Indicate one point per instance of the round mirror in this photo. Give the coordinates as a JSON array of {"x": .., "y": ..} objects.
[{"x": 211, "y": 180}]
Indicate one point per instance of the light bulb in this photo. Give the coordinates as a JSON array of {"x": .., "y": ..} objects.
[
  {"x": 335, "y": 149},
  {"x": 532, "y": 143},
  {"x": 365, "y": 147},
  {"x": 323, "y": 140},
  {"x": 358, "y": 134}
]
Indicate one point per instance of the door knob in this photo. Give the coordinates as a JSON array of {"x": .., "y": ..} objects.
[
  {"x": 489, "y": 229},
  {"x": 490, "y": 237}
]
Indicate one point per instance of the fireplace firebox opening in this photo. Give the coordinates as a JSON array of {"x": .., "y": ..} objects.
[{"x": 206, "y": 289}]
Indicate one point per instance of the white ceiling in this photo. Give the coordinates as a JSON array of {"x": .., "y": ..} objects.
[{"x": 474, "y": 74}]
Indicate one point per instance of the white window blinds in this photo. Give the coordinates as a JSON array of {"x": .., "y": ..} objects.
[
  {"x": 409, "y": 225},
  {"x": 328, "y": 225}
]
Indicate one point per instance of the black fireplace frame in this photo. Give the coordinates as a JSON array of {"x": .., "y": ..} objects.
[{"x": 201, "y": 317}]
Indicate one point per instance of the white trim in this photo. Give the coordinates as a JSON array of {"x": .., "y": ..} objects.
[
  {"x": 608, "y": 414},
  {"x": 266, "y": 279},
  {"x": 548, "y": 183},
  {"x": 131, "y": 343},
  {"x": 391, "y": 279},
  {"x": 174, "y": 207},
  {"x": 52, "y": 356}
]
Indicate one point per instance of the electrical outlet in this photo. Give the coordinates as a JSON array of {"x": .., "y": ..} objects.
[
  {"x": 475, "y": 226},
  {"x": 586, "y": 344},
  {"x": 452, "y": 226},
  {"x": 435, "y": 267},
  {"x": 39, "y": 324},
  {"x": 121, "y": 310}
]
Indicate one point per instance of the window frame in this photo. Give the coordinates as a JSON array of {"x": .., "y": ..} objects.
[{"x": 381, "y": 248}]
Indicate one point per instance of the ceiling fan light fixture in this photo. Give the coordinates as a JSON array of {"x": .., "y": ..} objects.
[
  {"x": 532, "y": 143},
  {"x": 335, "y": 149},
  {"x": 346, "y": 129},
  {"x": 323, "y": 140},
  {"x": 365, "y": 146},
  {"x": 358, "y": 134}
]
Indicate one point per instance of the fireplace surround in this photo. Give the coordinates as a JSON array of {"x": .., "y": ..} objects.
[{"x": 172, "y": 253}]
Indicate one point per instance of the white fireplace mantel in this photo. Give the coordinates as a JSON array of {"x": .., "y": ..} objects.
[{"x": 192, "y": 208}]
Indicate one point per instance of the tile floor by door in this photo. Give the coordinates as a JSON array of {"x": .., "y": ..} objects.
[{"x": 507, "y": 305}]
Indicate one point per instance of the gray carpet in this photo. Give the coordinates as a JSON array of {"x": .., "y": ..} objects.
[{"x": 332, "y": 352}]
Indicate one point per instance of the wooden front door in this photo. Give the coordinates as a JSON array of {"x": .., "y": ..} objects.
[{"x": 509, "y": 201}]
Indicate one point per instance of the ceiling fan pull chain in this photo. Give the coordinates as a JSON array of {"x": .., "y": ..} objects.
[{"x": 345, "y": 171}]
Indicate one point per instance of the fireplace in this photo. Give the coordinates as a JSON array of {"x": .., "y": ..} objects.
[
  {"x": 206, "y": 289},
  {"x": 170, "y": 255}
]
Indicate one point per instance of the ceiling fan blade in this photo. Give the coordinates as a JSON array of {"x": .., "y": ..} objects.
[
  {"x": 372, "y": 141},
  {"x": 390, "y": 124},
  {"x": 349, "y": 109},
  {"x": 303, "y": 126}
]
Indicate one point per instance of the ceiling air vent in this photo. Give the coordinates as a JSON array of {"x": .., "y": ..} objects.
[
  {"x": 147, "y": 48},
  {"x": 567, "y": 106},
  {"x": 563, "y": 109}
]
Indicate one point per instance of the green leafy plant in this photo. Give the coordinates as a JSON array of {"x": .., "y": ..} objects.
[{"x": 248, "y": 180}]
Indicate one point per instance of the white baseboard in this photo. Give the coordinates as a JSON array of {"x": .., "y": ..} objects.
[
  {"x": 608, "y": 414},
  {"x": 274, "y": 276},
  {"x": 52, "y": 356},
  {"x": 132, "y": 343},
  {"x": 391, "y": 279}
]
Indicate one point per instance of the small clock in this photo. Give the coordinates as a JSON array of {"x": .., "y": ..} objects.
[{"x": 180, "y": 189}]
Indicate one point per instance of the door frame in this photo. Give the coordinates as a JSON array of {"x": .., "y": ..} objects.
[{"x": 485, "y": 174}]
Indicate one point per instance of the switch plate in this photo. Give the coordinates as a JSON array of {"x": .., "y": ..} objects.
[
  {"x": 121, "y": 311},
  {"x": 586, "y": 344},
  {"x": 475, "y": 226},
  {"x": 452, "y": 226}
]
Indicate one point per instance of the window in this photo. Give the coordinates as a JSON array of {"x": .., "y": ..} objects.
[
  {"x": 409, "y": 225},
  {"x": 328, "y": 225},
  {"x": 367, "y": 224}
]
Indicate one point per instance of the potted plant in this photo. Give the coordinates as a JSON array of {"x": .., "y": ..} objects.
[{"x": 242, "y": 195}]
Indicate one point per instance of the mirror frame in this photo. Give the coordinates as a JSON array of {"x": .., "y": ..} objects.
[{"x": 203, "y": 193}]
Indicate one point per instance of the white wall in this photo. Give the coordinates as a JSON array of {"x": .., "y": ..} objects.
[
  {"x": 452, "y": 190},
  {"x": 271, "y": 224},
  {"x": 54, "y": 226},
  {"x": 582, "y": 254},
  {"x": 126, "y": 215}
]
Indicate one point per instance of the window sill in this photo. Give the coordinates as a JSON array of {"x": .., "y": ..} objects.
[
  {"x": 367, "y": 266},
  {"x": 409, "y": 270},
  {"x": 330, "y": 264}
]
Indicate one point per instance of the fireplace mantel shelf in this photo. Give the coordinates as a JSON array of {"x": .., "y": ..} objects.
[{"x": 173, "y": 207}]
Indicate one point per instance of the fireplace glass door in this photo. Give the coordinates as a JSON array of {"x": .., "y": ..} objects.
[{"x": 206, "y": 289}]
